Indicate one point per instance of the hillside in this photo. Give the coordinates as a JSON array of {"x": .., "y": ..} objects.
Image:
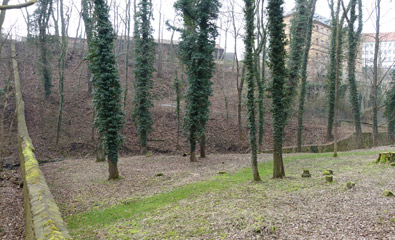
[{"x": 76, "y": 136}]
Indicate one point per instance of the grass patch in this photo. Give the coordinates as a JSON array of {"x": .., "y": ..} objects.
[{"x": 84, "y": 223}]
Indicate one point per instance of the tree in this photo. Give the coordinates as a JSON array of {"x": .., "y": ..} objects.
[
  {"x": 127, "y": 55},
  {"x": 375, "y": 83},
  {"x": 86, "y": 16},
  {"x": 303, "y": 74},
  {"x": 390, "y": 109},
  {"x": 250, "y": 80},
  {"x": 260, "y": 77},
  {"x": 239, "y": 83},
  {"x": 5, "y": 6},
  {"x": 332, "y": 71},
  {"x": 43, "y": 13},
  {"x": 353, "y": 44},
  {"x": 339, "y": 66},
  {"x": 61, "y": 68},
  {"x": 277, "y": 56},
  {"x": 196, "y": 52},
  {"x": 145, "y": 56},
  {"x": 107, "y": 87}
]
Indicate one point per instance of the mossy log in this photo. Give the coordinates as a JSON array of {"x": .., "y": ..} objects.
[{"x": 386, "y": 157}]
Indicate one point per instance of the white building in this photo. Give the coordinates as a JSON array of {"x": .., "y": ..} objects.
[{"x": 386, "y": 57}]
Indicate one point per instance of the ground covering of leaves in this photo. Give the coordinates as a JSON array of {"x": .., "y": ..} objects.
[
  {"x": 290, "y": 208},
  {"x": 11, "y": 206}
]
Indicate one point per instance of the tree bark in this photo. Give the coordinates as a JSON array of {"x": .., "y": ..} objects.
[
  {"x": 203, "y": 146},
  {"x": 302, "y": 96},
  {"x": 375, "y": 130},
  {"x": 100, "y": 155},
  {"x": 113, "y": 171},
  {"x": 17, "y": 6},
  {"x": 278, "y": 165},
  {"x": 192, "y": 150}
]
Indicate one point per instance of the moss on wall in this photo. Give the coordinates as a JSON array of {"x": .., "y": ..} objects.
[{"x": 42, "y": 217}]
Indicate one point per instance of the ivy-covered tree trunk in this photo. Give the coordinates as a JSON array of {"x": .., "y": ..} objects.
[
  {"x": 353, "y": 45},
  {"x": 107, "y": 87},
  {"x": 196, "y": 52},
  {"x": 250, "y": 80},
  {"x": 302, "y": 96},
  {"x": 390, "y": 109},
  {"x": 277, "y": 56},
  {"x": 338, "y": 67},
  {"x": 331, "y": 72},
  {"x": 145, "y": 55}
]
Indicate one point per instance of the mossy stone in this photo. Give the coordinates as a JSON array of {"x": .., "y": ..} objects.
[
  {"x": 329, "y": 178},
  {"x": 221, "y": 172},
  {"x": 388, "y": 193},
  {"x": 386, "y": 157},
  {"x": 159, "y": 174},
  {"x": 350, "y": 184},
  {"x": 306, "y": 174},
  {"x": 327, "y": 172}
]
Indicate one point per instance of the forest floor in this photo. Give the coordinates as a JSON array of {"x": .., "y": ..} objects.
[
  {"x": 167, "y": 197},
  {"x": 11, "y": 206}
]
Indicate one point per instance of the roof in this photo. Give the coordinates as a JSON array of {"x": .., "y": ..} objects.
[{"x": 383, "y": 36}]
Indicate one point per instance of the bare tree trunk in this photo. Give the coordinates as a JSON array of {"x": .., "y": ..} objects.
[
  {"x": 127, "y": 25},
  {"x": 375, "y": 130},
  {"x": 113, "y": 171},
  {"x": 2, "y": 14},
  {"x": 203, "y": 146},
  {"x": 159, "y": 70},
  {"x": 239, "y": 103}
]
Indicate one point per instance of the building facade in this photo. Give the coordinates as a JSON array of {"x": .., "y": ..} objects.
[
  {"x": 319, "y": 50},
  {"x": 386, "y": 56}
]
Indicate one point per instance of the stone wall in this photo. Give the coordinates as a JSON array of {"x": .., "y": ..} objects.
[
  {"x": 346, "y": 144},
  {"x": 42, "y": 217}
]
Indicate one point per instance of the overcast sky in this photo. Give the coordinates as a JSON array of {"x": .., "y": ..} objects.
[{"x": 14, "y": 18}]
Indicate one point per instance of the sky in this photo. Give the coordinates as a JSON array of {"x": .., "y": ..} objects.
[{"x": 15, "y": 20}]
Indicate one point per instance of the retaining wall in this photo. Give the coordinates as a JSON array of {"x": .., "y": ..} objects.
[
  {"x": 42, "y": 217},
  {"x": 346, "y": 144}
]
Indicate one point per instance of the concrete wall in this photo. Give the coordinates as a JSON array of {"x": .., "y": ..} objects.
[{"x": 42, "y": 217}]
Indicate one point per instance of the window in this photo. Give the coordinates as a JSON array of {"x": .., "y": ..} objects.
[
  {"x": 322, "y": 42},
  {"x": 316, "y": 55},
  {"x": 316, "y": 27},
  {"x": 316, "y": 41}
]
